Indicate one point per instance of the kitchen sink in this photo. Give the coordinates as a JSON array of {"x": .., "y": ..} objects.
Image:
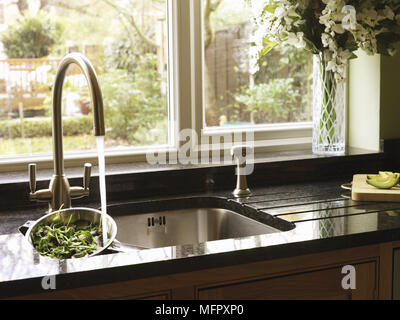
[{"x": 179, "y": 226}]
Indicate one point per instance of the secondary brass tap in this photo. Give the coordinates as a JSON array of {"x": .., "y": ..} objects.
[{"x": 240, "y": 153}]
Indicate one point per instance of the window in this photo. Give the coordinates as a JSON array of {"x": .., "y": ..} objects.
[
  {"x": 127, "y": 43},
  {"x": 1, "y": 13},
  {"x": 163, "y": 66},
  {"x": 239, "y": 89}
]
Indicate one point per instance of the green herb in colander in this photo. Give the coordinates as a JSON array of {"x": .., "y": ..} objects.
[{"x": 64, "y": 241}]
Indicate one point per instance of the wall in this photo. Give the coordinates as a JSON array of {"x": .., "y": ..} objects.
[
  {"x": 390, "y": 97},
  {"x": 364, "y": 102},
  {"x": 374, "y": 96}
]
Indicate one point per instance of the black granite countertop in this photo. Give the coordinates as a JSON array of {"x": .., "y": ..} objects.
[{"x": 314, "y": 217}]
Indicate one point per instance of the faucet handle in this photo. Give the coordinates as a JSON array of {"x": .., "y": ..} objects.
[
  {"x": 80, "y": 192},
  {"x": 38, "y": 195},
  {"x": 87, "y": 171},
  {"x": 241, "y": 151},
  {"x": 241, "y": 154},
  {"x": 32, "y": 177}
]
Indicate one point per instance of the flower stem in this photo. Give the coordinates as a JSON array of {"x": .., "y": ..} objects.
[{"x": 328, "y": 112}]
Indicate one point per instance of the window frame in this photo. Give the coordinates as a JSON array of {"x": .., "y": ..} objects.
[
  {"x": 185, "y": 103},
  {"x": 267, "y": 137}
]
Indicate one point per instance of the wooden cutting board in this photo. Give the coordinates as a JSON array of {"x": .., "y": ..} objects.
[{"x": 362, "y": 191}]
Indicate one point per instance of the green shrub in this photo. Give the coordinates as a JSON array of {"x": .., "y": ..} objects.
[
  {"x": 33, "y": 36},
  {"x": 274, "y": 101},
  {"x": 120, "y": 55},
  {"x": 133, "y": 101},
  {"x": 78, "y": 125},
  {"x": 125, "y": 52},
  {"x": 43, "y": 127}
]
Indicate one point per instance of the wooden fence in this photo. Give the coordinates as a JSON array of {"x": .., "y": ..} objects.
[
  {"x": 227, "y": 69},
  {"x": 25, "y": 84}
]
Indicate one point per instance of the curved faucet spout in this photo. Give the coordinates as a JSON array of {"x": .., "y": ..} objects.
[
  {"x": 60, "y": 193},
  {"x": 98, "y": 110}
]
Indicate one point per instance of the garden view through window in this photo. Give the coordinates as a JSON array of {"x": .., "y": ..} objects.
[
  {"x": 241, "y": 89},
  {"x": 126, "y": 41}
]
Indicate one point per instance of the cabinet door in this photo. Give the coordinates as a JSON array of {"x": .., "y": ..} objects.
[
  {"x": 314, "y": 285},
  {"x": 160, "y": 296},
  {"x": 396, "y": 274}
]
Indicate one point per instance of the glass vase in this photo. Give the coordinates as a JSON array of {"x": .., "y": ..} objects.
[{"x": 329, "y": 111}]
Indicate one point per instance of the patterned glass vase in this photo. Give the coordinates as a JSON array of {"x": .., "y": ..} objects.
[{"x": 329, "y": 111}]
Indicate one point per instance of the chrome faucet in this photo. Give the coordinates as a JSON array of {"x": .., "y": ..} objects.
[
  {"x": 240, "y": 153},
  {"x": 59, "y": 193}
]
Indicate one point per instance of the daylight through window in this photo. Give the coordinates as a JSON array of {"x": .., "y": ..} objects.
[
  {"x": 127, "y": 43},
  {"x": 240, "y": 89},
  {"x": 132, "y": 45}
]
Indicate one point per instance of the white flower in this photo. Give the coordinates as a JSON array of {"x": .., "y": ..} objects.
[
  {"x": 279, "y": 12},
  {"x": 296, "y": 40},
  {"x": 325, "y": 39},
  {"x": 388, "y": 13},
  {"x": 331, "y": 66},
  {"x": 364, "y": 21}
]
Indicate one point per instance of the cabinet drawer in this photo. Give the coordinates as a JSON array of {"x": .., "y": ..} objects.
[
  {"x": 158, "y": 296},
  {"x": 320, "y": 284}
]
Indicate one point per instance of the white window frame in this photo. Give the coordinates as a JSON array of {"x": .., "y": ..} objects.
[
  {"x": 186, "y": 99},
  {"x": 268, "y": 137}
]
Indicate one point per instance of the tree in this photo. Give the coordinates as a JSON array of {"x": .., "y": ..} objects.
[
  {"x": 132, "y": 20},
  {"x": 132, "y": 23},
  {"x": 33, "y": 36},
  {"x": 210, "y": 7},
  {"x": 133, "y": 99},
  {"x": 22, "y": 5},
  {"x": 128, "y": 14}
]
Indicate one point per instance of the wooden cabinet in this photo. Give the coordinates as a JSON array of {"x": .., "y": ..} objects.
[
  {"x": 321, "y": 284},
  {"x": 154, "y": 296},
  {"x": 396, "y": 274},
  {"x": 313, "y": 276}
]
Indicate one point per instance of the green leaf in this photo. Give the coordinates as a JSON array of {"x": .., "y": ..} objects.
[
  {"x": 311, "y": 46},
  {"x": 268, "y": 46},
  {"x": 353, "y": 56},
  {"x": 271, "y": 7}
]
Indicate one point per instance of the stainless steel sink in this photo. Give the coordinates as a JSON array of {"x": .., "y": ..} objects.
[{"x": 185, "y": 226}]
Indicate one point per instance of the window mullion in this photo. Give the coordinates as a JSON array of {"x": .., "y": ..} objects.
[
  {"x": 184, "y": 62},
  {"x": 189, "y": 48}
]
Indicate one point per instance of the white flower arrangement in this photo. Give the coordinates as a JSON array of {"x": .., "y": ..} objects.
[{"x": 332, "y": 29}]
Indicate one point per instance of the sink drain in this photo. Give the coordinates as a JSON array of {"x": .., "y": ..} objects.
[{"x": 156, "y": 221}]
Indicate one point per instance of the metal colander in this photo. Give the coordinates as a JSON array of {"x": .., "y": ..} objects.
[{"x": 73, "y": 215}]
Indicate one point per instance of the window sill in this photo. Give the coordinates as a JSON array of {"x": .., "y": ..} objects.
[
  {"x": 278, "y": 127},
  {"x": 115, "y": 169},
  {"x": 127, "y": 182},
  {"x": 273, "y": 141}
]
